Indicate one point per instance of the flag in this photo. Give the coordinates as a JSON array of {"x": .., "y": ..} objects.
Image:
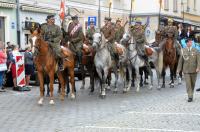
[{"x": 62, "y": 10}]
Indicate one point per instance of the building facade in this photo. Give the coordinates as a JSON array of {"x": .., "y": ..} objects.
[{"x": 8, "y": 30}]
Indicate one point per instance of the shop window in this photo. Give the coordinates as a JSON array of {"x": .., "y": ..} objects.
[{"x": 166, "y": 4}]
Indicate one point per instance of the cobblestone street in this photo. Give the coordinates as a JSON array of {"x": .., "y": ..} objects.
[{"x": 149, "y": 110}]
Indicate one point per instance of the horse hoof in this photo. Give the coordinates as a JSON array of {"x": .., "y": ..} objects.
[
  {"x": 172, "y": 85},
  {"x": 40, "y": 102},
  {"x": 102, "y": 96},
  {"x": 62, "y": 98},
  {"x": 51, "y": 102},
  {"x": 150, "y": 87},
  {"x": 73, "y": 96},
  {"x": 124, "y": 91},
  {"x": 115, "y": 92},
  {"x": 158, "y": 88},
  {"x": 137, "y": 90},
  {"x": 47, "y": 95},
  {"x": 82, "y": 87},
  {"x": 108, "y": 88},
  {"x": 163, "y": 86}
]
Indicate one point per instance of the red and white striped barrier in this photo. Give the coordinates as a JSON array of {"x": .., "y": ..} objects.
[{"x": 20, "y": 70}]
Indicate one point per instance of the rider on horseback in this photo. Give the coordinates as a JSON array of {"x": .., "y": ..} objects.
[
  {"x": 169, "y": 31},
  {"x": 90, "y": 32},
  {"x": 52, "y": 34},
  {"x": 109, "y": 33},
  {"x": 76, "y": 38}
]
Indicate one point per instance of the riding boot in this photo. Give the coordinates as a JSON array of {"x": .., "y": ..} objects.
[
  {"x": 79, "y": 55},
  {"x": 60, "y": 64}
]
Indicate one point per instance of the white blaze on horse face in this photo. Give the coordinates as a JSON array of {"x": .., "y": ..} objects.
[
  {"x": 96, "y": 39},
  {"x": 33, "y": 42}
]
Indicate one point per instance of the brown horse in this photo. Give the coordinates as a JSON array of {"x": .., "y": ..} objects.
[
  {"x": 46, "y": 63},
  {"x": 169, "y": 59}
]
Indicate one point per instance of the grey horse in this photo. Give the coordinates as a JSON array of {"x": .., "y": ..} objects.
[
  {"x": 135, "y": 61},
  {"x": 104, "y": 63}
]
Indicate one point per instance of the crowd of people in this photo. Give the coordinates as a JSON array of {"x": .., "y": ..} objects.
[{"x": 8, "y": 64}]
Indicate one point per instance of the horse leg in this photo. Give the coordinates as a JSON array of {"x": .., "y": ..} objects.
[
  {"x": 83, "y": 77},
  {"x": 40, "y": 77},
  {"x": 108, "y": 80},
  {"x": 141, "y": 76},
  {"x": 51, "y": 77},
  {"x": 71, "y": 74},
  {"x": 116, "y": 79},
  {"x": 172, "y": 76},
  {"x": 163, "y": 76},
  {"x": 158, "y": 78},
  {"x": 147, "y": 71},
  {"x": 104, "y": 77},
  {"x": 151, "y": 78},
  {"x": 91, "y": 87},
  {"x": 130, "y": 77},
  {"x": 46, "y": 77},
  {"x": 180, "y": 77},
  {"x": 137, "y": 79},
  {"x": 62, "y": 85}
]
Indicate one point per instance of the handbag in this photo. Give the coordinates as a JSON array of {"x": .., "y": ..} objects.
[{"x": 3, "y": 67}]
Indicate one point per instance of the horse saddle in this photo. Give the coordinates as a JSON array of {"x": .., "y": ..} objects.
[
  {"x": 119, "y": 49},
  {"x": 148, "y": 50},
  {"x": 65, "y": 52}
]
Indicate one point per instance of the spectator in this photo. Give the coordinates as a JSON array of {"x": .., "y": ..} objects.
[
  {"x": 189, "y": 33},
  {"x": 181, "y": 32},
  {"x": 12, "y": 65},
  {"x": 29, "y": 68},
  {"x": 3, "y": 66},
  {"x": 190, "y": 63}
]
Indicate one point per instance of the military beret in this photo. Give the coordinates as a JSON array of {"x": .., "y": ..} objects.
[
  {"x": 108, "y": 18},
  {"x": 50, "y": 16},
  {"x": 138, "y": 20},
  {"x": 75, "y": 17},
  {"x": 170, "y": 20}
]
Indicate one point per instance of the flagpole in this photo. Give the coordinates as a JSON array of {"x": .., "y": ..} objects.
[
  {"x": 130, "y": 12},
  {"x": 160, "y": 2}
]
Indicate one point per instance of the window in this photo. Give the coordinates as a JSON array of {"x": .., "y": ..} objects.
[
  {"x": 188, "y": 5},
  {"x": 195, "y": 5},
  {"x": 175, "y": 5},
  {"x": 2, "y": 29},
  {"x": 166, "y": 4}
]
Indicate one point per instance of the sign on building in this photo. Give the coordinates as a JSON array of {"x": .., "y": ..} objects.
[{"x": 92, "y": 18}]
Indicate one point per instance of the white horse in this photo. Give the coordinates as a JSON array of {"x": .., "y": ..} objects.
[
  {"x": 135, "y": 61},
  {"x": 102, "y": 60}
]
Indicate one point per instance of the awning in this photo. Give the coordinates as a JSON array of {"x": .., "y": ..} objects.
[
  {"x": 7, "y": 5},
  {"x": 38, "y": 9}
]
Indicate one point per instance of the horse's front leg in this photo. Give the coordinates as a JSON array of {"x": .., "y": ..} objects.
[
  {"x": 137, "y": 82},
  {"x": 172, "y": 77},
  {"x": 130, "y": 77},
  {"x": 158, "y": 79},
  {"x": 51, "y": 77},
  {"x": 163, "y": 77},
  {"x": 91, "y": 87},
  {"x": 104, "y": 77},
  {"x": 71, "y": 74},
  {"x": 41, "y": 79},
  {"x": 151, "y": 78}
]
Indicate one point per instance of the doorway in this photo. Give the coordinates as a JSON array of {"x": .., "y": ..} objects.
[{"x": 2, "y": 29}]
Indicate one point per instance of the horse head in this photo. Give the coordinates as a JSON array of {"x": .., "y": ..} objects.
[
  {"x": 126, "y": 37},
  {"x": 98, "y": 40},
  {"x": 36, "y": 39}
]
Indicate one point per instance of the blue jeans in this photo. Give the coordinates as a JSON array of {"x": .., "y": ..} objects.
[{"x": 1, "y": 78}]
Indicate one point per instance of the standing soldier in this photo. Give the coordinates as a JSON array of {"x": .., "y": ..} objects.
[
  {"x": 53, "y": 35},
  {"x": 109, "y": 33},
  {"x": 76, "y": 38},
  {"x": 90, "y": 32},
  {"x": 190, "y": 63},
  {"x": 119, "y": 31}
]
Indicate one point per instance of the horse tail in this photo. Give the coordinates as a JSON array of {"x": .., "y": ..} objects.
[{"x": 160, "y": 61}]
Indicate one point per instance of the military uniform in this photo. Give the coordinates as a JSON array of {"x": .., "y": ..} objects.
[
  {"x": 189, "y": 62},
  {"x": 109, "y": 34},
  {"x": 139, "y": 38},
  {"x": 53, "y": 35},
  {"x": 119, "y": 31},
  {"x": 89, "y": 35},
  {"x": 76, "y": 38}
]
